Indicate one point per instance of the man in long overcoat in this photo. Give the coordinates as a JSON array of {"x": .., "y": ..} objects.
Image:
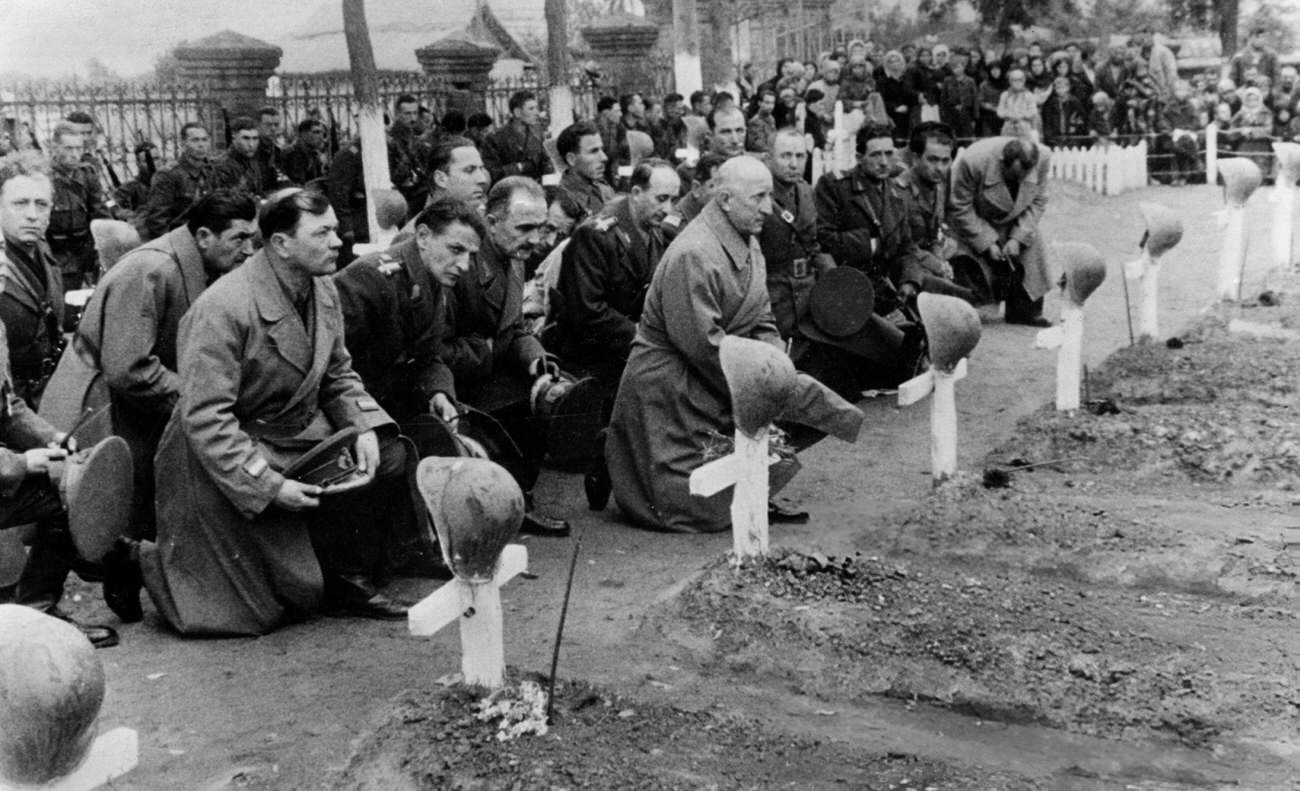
[
  {"x": 999, "y": 193},
  {"x": 265, "y": 377},
  {"x": 124, "y": 353},
  {"x": 709, "y": 284}
]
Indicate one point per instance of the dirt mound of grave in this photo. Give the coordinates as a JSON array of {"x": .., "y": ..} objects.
[
  {"x": 998, "y": 644},
  {"x": 1217, "y": 406},
  {"x": 438, "y": 740}
]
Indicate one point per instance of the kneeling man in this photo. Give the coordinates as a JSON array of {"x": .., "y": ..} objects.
[{"x": 265, "y": 377}]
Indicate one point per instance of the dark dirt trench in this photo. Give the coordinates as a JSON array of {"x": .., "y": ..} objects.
[{"x": 1124, "y": 621}]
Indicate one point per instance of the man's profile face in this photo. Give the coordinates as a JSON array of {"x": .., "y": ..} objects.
[
  {"x": 245, "y": 142},
  {"x": 197, "y": 142},
  {"x": 519, "y": 230},
  {"x": 789, "y": 157},
  {"x": 748, "y": 202},
  {"x": 447, "y": 254},
  {"x": 636, "y": 107},
  {"x": 703, "y": 107},
  {"x": 313, "y": 247},
  {"x": 878, "y": 158},
  {"x": 465, "y": 178},
  {"x": 936, "y": 161},
  {"x": 25, "y": 204},
  {"x": 224, "y": 251},
  {"x": 590, "y": 159},
  {"x": 68, "y": 148},
  {"x": 653, "y": 202},
  {"x": 729, "y": 133},
  {"x": 269, "y": 126}
]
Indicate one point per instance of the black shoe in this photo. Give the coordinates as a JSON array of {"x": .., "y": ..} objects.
[
  {"x": 1030, "y": 321},
  {"x": 536, "y": 524},
  {"x": 354, "y": 595},
  {"x": 99, "y": 636},
  {"x": 122, "y": 581},
  {"x": 777, "y": 513}
]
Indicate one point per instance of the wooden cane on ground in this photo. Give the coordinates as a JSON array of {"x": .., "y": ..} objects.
[
  {"x": 1241, "y": 177},
  {"x": 1164, "y": 231},
  {"x": 51, "y": 690},
  {"x": 952, "y": 329},
  {"x": 477, "y": 509},
  {"x": 1283, "y": 199},
  {"x": 762, "y": 382},
  {"x": 1085, "y": 269}
]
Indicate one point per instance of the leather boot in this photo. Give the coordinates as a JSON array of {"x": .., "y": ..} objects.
[{"x": 123, "y": 581}]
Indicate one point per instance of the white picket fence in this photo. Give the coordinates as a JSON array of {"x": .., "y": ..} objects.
[{"x": 1109, "y": 171}]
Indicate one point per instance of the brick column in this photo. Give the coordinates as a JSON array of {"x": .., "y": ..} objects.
[
  {"x": 235, "y": 66},
  {"x": 621, "y": 45},
  {"x": 464, "y": 61}
]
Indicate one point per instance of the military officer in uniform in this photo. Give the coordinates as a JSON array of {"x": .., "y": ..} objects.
[
  {"x": 605, "y": 271},
  {"x": 241, "y": 168},
  {"x": 583, "y": 184},
  {"x": 78, "y": 199},
  {"x": 174, "y": 191},
  {"x": 925, "y": 186},
  {"x": 789, "y": 236},
  {"x": 516, "y": 148},
  {"x": 31, "y": 304}
]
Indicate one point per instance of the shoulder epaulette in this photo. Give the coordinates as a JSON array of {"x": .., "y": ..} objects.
[{"x": 388, "y": 266}]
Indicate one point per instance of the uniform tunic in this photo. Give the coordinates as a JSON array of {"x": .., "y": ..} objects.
[
  {"x": 589, "y": 196},
  {"x": 258, "y": 387},
  {"x": 516, "y": 150},
  {"x": 709, "y": 284},
  {"x": 172, "y": 193},
  {"x": 31, "y": 307},
  {"x": 789, "y": 242}
]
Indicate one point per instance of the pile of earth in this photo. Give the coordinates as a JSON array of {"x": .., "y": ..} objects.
[
  {"x": 1217, "y": 408},
  {"x": 599, "y": 740},
  {"x": 1001, "y": 645}
]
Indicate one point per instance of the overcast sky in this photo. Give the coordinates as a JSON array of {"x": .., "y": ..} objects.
[{"x": 56, "y": 37}]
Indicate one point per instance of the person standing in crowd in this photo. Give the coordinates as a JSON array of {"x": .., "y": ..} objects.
[
  {"x": 1256, "y": 55},
  {"x": 959, "y": 100},
  {"x": 516, "y": 148},
  {"x": 761, "y": 127},
  {"x": 583, "y": 183},
  {"x": 999, "y": 194},
  {"x": 269, "y": 153},
  {"x": 1018, "y": 109},
  {"x": 305, "y": 161},
  {"x": 1064, "y": 121},
  {"x": 240, "y": 168},
  {"x": 710, "y": 284},
  {"x": 899, "y": 98},
  {"x": 1180, "y": 124},
  {"x": 174, "y": 191},
  {"x": 264, "y": 377},
  {"x": 78, "y": 199},
  {"x": 727, "y": 132}
]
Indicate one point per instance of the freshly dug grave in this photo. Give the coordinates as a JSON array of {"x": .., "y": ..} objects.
[
  {"x": 598, "y": 740},
  {"x": 1218, "y": 409},
  {"x": 1004, "y": 645}
]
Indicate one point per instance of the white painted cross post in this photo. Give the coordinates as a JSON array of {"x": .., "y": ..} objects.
[
  {"x": 1283, "y": 199},
  {"x": 477, "y": 509},
  {"x": 1085, "y": 269},
  {"x": 1164, "y": 231},
  {"x": 1241, "y": 177},
  {"x": 952, "y": 329},
  {"x": 761, "y": 379}
]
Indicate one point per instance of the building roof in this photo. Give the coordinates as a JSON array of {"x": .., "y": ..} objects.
[{"x": 399, "y": 27}]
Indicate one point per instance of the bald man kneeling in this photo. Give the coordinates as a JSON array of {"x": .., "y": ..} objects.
[{"x": 710, "y": 283}]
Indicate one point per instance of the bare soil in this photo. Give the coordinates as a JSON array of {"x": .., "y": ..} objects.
[{"x": 1126, "y": 619}]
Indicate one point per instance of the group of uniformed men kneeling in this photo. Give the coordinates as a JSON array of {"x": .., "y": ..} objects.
[{"x": 275, "y": 408}]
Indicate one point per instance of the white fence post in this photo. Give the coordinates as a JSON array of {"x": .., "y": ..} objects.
[{"x": 1211, "y": 153}]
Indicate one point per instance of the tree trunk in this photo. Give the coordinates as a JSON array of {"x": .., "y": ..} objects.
[
  {"x": 557, "y": 65},
  {"x": 687, "y": 71},
  {"x": 1105, "y": 25},
  {"x": 365, "y": 87},
  {"x": 1229, "y": 10}
]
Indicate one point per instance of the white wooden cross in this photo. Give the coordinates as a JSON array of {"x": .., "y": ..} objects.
[
  {"x": 473, "y": 538},
  {"x": 1283, "y": 199},
  {"x": 1241, "y": 177},
  {"x": 941, "y": 385},
  {"x": 761, "y": 379},
  {"x": 952, "y": 329},
  {"x": 1085, "y": 269},
  {"x": 1164, "y": 231},
  {"x": 111, "y": 755}
]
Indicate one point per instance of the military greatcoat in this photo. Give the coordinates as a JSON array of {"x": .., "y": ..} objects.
[
  {"x": 258, "y": 387},
  {"x": 710, "y": 284}
]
